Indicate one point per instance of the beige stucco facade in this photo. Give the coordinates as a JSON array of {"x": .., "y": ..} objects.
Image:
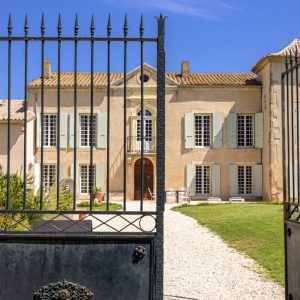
[{"x": 222, "y": 102}]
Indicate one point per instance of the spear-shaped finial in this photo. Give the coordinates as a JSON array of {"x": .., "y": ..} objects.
[
  {"x": 109, "y": 26},
  {"x": 161, "y": 25},
  {"x": 92, "y": 28},
  {"x": 142, "y": 29},
  {"x": 59, "y": 27},
  {"x": 9, "y": 26},
  {"x": 296, "y": 55},
  {"x": 286, "y": 61},
  {"x": 43, "y": 25},
  {"x": 125, "y": 28},
  {"x": 76, "y": 27},
  {"x": 26, "y": 27}
]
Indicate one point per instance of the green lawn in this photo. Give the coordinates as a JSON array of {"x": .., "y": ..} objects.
[
  {"x": 101, "y": 207},
  {"x": 254, "y": 229}
]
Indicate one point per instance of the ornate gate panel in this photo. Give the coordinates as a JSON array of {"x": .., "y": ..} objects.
[
  {"x": 62, "y": 250},
  {"x": 291, "y": 173}
]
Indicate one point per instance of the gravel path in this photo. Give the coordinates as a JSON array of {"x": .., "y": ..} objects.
[{"x": 199, "y": 265}]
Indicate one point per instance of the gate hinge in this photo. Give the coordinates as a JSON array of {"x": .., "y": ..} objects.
[{"x": 289, "y": 231}]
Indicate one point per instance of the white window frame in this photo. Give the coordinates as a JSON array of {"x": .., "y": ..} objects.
[
  {"x": 204, "y": 187},
  {"x": 87, "y": 178},
  {"x": 203, "y": 134},
  {"x": 88, "y": 131},
  {"x": 50, "y": 131},
  {"x": 245, "y": 180},
  {"x": 244, "y": 133},
  {"x": 48, "y": 182}
]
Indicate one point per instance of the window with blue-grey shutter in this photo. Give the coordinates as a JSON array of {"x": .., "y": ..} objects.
[
  {"x": 189, "y": 135},
  {"x": 233, "y": 180},
  {"x": 231, "y": 130},
  {"x": 259, "y": 130},
  {"x": 100, "y": 175},
  {"x": 61, "y": 172},
  {"x": 216, "y": 180},
  {"x": 257, "y": 174},
  {"x": 101, "y": 130},
  {"x": 37, "y": 176},
  {"x": 63, "y": 130},
  {"x": 217, "y": 130},
  {"x": 71, "y": 130},
  {"x": 190, "y": 178}
]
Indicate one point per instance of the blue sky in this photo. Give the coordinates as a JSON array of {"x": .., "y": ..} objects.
[{"x": 217, "y": 36}]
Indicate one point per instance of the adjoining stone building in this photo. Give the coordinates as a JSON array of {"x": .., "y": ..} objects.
[{"x": 223, "y": 131}]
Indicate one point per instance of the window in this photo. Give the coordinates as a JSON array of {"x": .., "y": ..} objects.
[
  {"x": 147, "y": 126},
  {"x": 245, "y": 130},
  {"x": 144, "y": 78},
  {"x": 50, "y": 124},
  {"x": 202, "y": 130},
  {"x": 245, "y": 180},
  {"x": 49, "y": 177},
  {"x": 85, "y": 179},
  {"x": 85, "y": 132},
  {"x": 202, "y": 180}
]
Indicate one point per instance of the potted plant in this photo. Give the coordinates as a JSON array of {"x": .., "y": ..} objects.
[{"x": 98, "y": 194}]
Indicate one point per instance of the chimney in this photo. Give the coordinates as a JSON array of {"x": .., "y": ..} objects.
[
  {"x": 47, "y": 69},
  {"x": 185, "y": 68}
]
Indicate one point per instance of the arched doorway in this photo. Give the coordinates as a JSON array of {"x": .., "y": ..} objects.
[{"x": 148, "y": 179}]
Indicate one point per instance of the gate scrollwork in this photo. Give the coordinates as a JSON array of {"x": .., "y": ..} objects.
[{"x": 63, "y": 290}]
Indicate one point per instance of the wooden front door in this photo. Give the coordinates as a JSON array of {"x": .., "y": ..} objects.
[{"x": 148, "y": 179}]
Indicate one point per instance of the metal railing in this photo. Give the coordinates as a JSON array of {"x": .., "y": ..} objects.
[
  {"x": 134, "y": 144},
  {"x": 290, "y": 136},
  {"x": 43, "y": 40}
]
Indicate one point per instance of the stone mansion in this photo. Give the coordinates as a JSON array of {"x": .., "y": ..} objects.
[{"x": 223, "y": 131}]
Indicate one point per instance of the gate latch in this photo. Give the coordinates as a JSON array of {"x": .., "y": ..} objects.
[{"x": 138, "y": 254}]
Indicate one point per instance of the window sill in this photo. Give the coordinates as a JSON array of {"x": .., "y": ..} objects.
[{"x": 245, "y": 147}]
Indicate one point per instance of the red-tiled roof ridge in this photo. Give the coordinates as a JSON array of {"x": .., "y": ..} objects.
[{"x": 100, "y": 79}]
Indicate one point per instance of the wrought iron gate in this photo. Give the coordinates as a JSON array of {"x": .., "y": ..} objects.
[
  {"x": 52, "y": 253},
  {"x": 291, "y": 172}
]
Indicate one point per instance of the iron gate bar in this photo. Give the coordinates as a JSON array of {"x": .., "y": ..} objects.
[
  {"x": 297, "y": 112},
  {"x": 91, "y": 123},
  {"x": 26, "y": 30},
  {"x": 125, "y": 31},
  {"x": 59, "y": 29},
  {"x": 9, "y": 29},
  {"x": 288, "y": 131},
  {"x": 160, "y": 160},
  {"x": 76, "y": 30},
  {"x": 142, "y": 113},
  {"x": 108, "y": 113},
  {"x": 42, "y": 112},
  {"x": 292, "y": 125}
]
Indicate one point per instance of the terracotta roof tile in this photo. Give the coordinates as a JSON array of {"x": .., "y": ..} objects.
[
  {"x": 214, "y": 79},
  {"x": 17, "y": 110},
  {"x": 295, "y": 44},
  {"x": 290, "y": 48},
  {"x": 83, "y": 79},
  {"x": 100, "y": 79}
]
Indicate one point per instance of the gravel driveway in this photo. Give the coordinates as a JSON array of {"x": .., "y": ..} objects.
[{"x": 199, "y": 265}]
